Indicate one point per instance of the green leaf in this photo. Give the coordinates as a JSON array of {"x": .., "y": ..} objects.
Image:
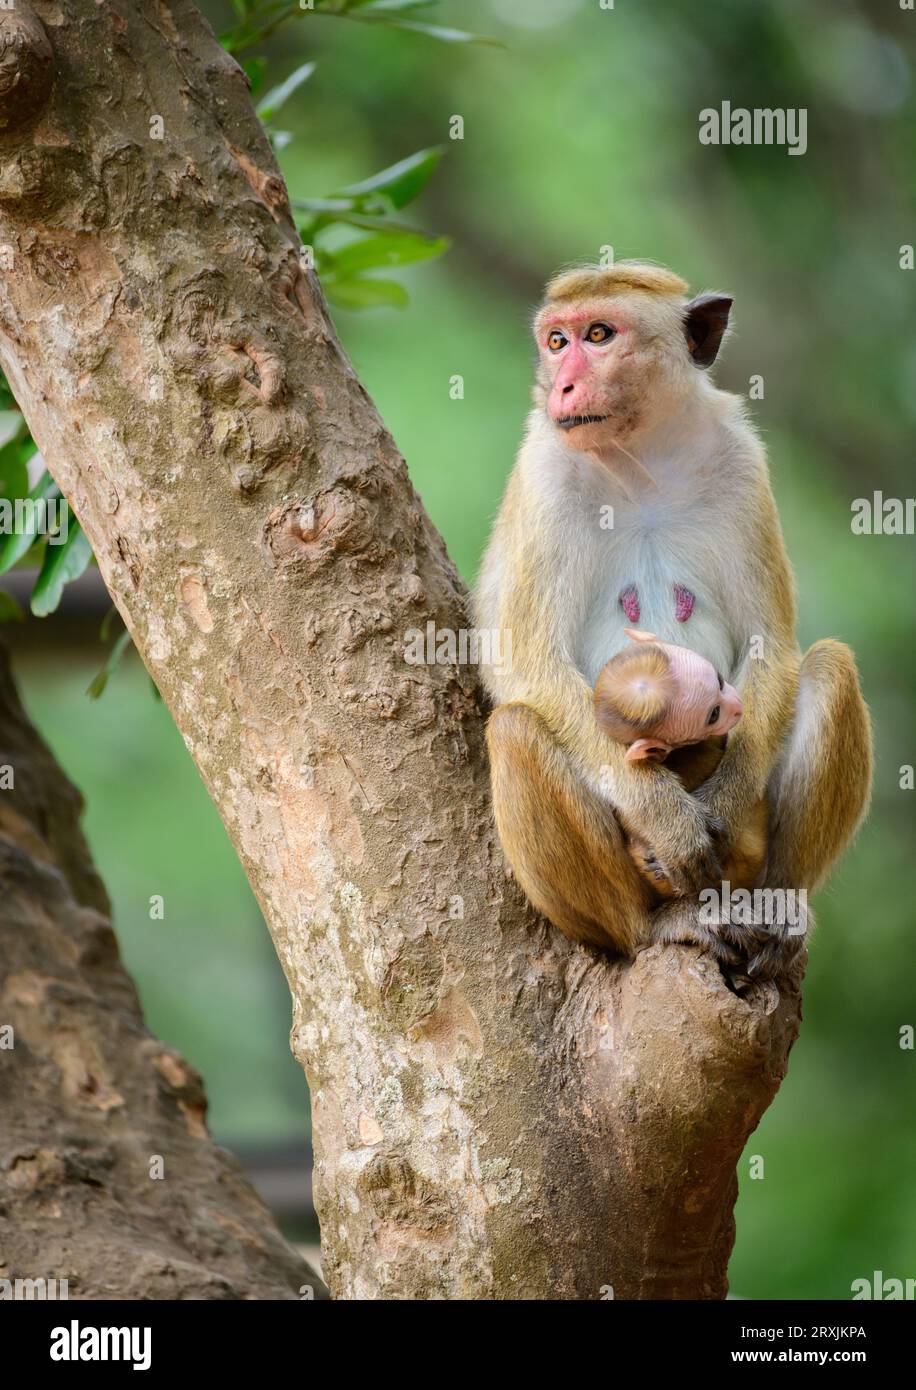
[
  {"x": 11, "y": 426},
  {"x": 379, "y": 14},
  {"x": 401, "y": 182},
  {"x": 436, "y": 31},
  {"x": 259, "y": 23},
  {"x": 109, "y": 618},
  {"x": 395, "y": 5},
  {"x": 254, "y": 69},
  {"x": 110, "y": 665},
  {"x": 366, "y": 220},
  {"x": 390, "y": 11},
  {"x": 62, "y": 564},
  {"x": 328, "y": 205},
  {"x": 269, "y": 105},
  {"x": 10, "y": 611},
  {"x": 14, "y": 546},
  {"x": 366, "y": 293},
  {"x": 386, "y": 249},
  {"x": 14, "y": 473}
]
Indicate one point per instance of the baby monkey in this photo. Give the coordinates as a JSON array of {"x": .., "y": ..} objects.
[{"x": 671, "y": 705}]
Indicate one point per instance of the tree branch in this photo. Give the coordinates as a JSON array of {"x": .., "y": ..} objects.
[
  {"x": 89, "y": 1099},
  {"x": 498, "y": 1114}
]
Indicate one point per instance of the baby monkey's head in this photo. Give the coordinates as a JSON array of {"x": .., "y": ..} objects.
[{"x": 656, "y": 697}]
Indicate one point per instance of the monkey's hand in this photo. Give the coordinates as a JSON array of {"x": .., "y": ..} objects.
[{"x": 686, "y": 850}]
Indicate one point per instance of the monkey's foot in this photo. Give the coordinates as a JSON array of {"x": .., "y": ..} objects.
[
  {"x": 680, "y": 922},
  {"x": 768, "y": 948}
]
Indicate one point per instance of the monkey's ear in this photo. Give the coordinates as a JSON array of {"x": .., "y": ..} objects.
[
  {"x": 705, "y": 322},
  {"x": 636, "y": 636},
  {"x": 647, "y": 748}
]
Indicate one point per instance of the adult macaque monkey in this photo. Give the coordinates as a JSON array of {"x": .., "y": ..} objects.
[{"x": 641, "y": 496}]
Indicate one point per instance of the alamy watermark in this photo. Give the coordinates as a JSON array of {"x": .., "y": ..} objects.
[
  {"x": 882, "y": 1288},
  {"x": 730, "y": 125},
  {"x": 466, "y": 646},
  {"x": 35, "y": 516},
  {"x": 33, "y": 1290},
  {"x": 78, "y": 1343},
  {"x": 755, "y": 907},
  {"x": 883, "y": 516}
]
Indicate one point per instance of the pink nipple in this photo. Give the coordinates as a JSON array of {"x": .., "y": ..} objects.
[
  {"x": 629, "y": 602},
  {"x": 683, "y": 603}
]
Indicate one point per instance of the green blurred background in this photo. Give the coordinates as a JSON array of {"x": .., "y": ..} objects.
[{"x": 581, "y": 132}]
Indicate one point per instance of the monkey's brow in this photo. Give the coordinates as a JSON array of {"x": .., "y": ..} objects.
[
  {"x": 720, "y": 680},
  {"x": 586, "y": 315}
]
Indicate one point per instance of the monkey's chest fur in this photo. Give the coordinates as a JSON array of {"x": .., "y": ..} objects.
[{"x": 660, "y": 580}]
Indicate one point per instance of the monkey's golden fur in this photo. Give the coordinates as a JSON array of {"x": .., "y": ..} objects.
[{"x": 597, "y": 281}]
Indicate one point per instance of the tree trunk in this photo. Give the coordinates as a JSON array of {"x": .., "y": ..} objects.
[
  {"x": 108, "y": 1176},
  {"x": 498, "y": 1114}
]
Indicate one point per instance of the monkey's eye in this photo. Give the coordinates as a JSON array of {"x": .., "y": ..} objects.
[
  {"x": 556, "y": 340},
  {"x": 599, "y": 333},
  {"x": 713, "y": 715}
]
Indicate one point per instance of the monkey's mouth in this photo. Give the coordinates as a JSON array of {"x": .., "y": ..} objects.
[{"x": 569, "y": 422}]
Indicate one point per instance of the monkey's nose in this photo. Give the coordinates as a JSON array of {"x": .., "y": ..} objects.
[
  {"x": 568, "y": 398},
  {"x": 733, "y": 716},
  {"x": 731, "y": 702}
]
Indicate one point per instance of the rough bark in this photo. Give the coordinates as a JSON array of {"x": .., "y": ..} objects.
[
  {"x": 497, "y": 1114},
  {"x": 89, "y": 1098}
]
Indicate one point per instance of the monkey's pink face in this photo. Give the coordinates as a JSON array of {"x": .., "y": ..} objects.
[{"x": 594, "y": 369}]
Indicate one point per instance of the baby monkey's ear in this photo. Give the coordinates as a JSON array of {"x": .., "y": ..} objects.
[
  {"x": 634, "y": 691},
  {"x": 636, "y": 636},
  {"x": 647, "y": 748}
]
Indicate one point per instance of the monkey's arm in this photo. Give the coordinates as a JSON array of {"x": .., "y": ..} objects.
[
  {"x": 767, "y": 675},
  {"x": 648, "y": 799},
  {"x": 768, "y": 686}
]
